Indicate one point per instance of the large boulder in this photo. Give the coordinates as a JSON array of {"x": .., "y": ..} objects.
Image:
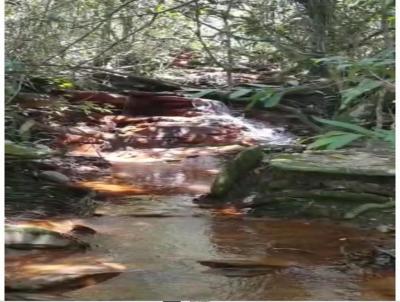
[{"x": 234, "y": 170}]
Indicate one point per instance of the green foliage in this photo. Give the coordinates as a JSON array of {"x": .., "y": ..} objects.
[
  {"x": 258, "y": 95},
  {"x": 241, "y": 92},
  {"x": 202, "y": 93},
  {"x": 13, "y": 66},
  {"x": 63, "y": 83},
  {"x": 24, "y": 130},
  {"x": 145, "y": 36},
  {"x": 23, "y": 151},
  {"x": 332, "y": 141},
  {"x": 268, "y": 97},
  {"x": 351, "y": 94},
  {"x": 338, "y": 139},
  {"x": 361, "y": 82},
  {"x": 361, "y": 78}
]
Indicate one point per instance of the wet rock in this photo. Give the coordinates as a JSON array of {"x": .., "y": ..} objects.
[
  {"x": 247, "y": 268},
  {"x": 241, "y": 164},
  {"x": 82, "y": 230},
  {"x": 354, "y": 184},
  {"x": 32, "y": 237},
  {"x": 349, "y": 175},
  {"x": 385, "y": 228},
  {"x": 348, "y": 162},
  {"x": 47, "y": 271},
  {"x": 22, "y": 296},
  {"x": 271, "y": 262},
  {"x": 55, "y": 176},
  {"x": 12, "y": 149}
]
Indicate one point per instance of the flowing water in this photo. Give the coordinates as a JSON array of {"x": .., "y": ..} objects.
[
  {"x": 208, "y": 258},
  {"x": 173, "y": 249}
]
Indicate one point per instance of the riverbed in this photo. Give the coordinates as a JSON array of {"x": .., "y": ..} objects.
[{"x": 147, "y": 220}]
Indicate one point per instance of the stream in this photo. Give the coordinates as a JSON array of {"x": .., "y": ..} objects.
[{"x": 148, "y": 222}]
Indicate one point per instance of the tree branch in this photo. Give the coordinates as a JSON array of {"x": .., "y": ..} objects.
[{"x": 81, "y": 38}]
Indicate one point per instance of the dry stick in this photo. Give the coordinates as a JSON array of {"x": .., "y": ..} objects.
[{"x": 379, "y": 109}]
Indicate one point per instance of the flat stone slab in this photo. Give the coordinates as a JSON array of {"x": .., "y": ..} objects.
[
  {"x": 49, "y": 270},
  {"x": 346, "y": 162}
]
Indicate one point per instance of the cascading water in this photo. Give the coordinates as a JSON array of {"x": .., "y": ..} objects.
[{"x": 256, "y": 130}]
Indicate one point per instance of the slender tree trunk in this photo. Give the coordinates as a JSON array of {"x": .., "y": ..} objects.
[
  {"x": 385, "y": 26},
  {"x": 229, "y": 54},
  {"x": 320, "y": 13},
  {"x": 228, "y": 43}
]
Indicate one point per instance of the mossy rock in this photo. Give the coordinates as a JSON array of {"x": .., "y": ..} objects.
[
  {"x": 245, "y": 161},
  {"x": 346, "y": 162}
]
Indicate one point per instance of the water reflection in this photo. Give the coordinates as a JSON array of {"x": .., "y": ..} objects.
[
  {"x": 221, "y": 258},
  {"x": 192, "y": 175}
]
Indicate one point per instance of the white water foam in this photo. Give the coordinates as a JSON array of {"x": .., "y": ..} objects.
[{"x": 256, "y": 130}]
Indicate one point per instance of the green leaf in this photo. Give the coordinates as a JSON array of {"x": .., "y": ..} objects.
[
  {"x": 18, "y": 150},
  {"x": 334, "y": 133},
  {"x": 159, "y": 8},
  {"x": 272, "y": 101},
  {"x": 258, "y": 97},
  {"x": 343, "y": 140},
  {"x": 202, "y": 93},
  {"x": 334, "y": 142},
  {"x": 386, "y": 135},
  {"x": 323, "y": 141},
  {"x": 240, "y": 93},
  {"x": 349, "y": 126},
  {"x": 24, "y": 130},
  {"x": 364, "y": 86}
]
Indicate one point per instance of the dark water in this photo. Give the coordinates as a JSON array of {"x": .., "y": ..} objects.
[
  {"x": 229, "y": 258},
  {"x": 173, "y": 250}
]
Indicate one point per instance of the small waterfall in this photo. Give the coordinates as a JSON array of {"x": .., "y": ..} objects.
[
  {"x": 216, "y": 107},
  {"x": 256, "y": 130}
]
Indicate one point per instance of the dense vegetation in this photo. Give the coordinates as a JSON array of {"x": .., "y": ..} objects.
[
  {"x": 350, "y": 42},
  {"x": 150, "y": 122}
]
